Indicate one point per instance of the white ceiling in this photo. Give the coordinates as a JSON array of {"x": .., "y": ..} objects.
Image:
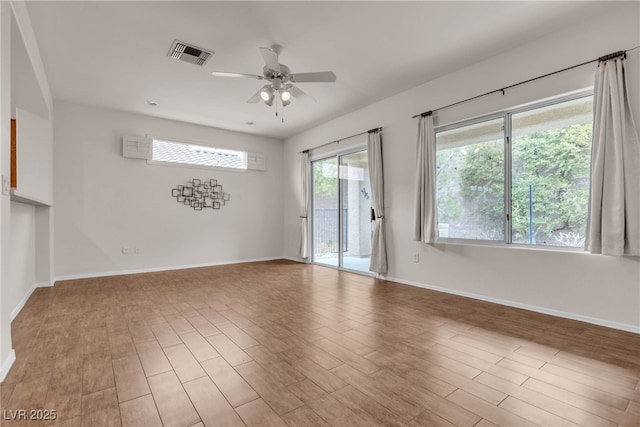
[{"x": 114, "y": 54}]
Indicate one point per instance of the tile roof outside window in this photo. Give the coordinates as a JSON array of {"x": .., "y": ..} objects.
[{"x": 175, "y": 152}]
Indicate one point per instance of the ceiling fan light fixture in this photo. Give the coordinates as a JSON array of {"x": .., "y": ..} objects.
[
  {"x": 285, "y": 95},
  {"x": 266, "y": 93}
]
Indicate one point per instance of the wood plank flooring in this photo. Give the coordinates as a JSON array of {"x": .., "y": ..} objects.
[{"x": 281, "y": 343}]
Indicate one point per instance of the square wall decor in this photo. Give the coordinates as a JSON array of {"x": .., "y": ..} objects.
[{"x": 201, "y": 194}]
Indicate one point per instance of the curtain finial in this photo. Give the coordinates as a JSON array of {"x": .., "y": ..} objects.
[{"x": 620, "y": 53}]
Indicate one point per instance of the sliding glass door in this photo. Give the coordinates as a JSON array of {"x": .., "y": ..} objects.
[
  {"x": 342, "y": 211},
  {"x": 326, "y": 216}
]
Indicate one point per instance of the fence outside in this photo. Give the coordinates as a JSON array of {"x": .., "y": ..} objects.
[{"x": 325, "y": 231}]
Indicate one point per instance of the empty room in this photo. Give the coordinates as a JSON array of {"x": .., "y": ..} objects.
[{"x": 319, "y": 213}]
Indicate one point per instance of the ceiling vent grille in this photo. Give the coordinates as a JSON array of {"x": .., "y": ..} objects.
[{"x": 189, "y": 53}]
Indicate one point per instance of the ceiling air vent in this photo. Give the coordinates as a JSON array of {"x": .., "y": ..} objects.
[{"x": 189, "y": 53}]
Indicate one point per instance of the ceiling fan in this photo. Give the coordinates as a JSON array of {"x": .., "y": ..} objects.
[{"x": 280, "y": 79}]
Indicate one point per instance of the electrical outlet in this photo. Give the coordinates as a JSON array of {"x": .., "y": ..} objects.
[
  {"x": 136, "y": 250},
  {"x": 5, "y": 185},
  {"x": 125, "y": 250},
  {"x": 416, "y": 257}
]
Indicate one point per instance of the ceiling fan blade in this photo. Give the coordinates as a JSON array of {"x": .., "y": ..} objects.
[
  {"x": 322, "y": 76},
  {"x": 241, "y": 75},
  {"x": 270, "y": 59},
  {"x": 297, "y": 93},
  {"x": 255, "y": 98}
]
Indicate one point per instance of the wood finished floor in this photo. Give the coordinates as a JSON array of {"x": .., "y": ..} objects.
[{"x": 281, "y": 343}]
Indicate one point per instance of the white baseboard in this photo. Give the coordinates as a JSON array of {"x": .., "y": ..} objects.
[
  {"x": 44, "y": 284},
  {"x": 157, "y": 269},
  {"x": 537, "y": 309},
  {"x": 294, "y": 259},
  {"x": 6, "y": 365},
  {"x": 23, "y": 301}
]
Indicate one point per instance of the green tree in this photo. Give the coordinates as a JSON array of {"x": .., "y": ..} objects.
[
  {"x": 324, "y": 185},
  {"x": 447, "y": 176},
  {"x": 483, "y": 184},
  {"x": 554, "y": 162}
]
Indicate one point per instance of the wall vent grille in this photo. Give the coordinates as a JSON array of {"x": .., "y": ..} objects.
[{"x": 189, "y": 53}]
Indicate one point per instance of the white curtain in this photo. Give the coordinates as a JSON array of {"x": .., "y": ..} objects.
[
  {"x": 304, "y": 205},
  {"x": 613, "y": 226},
  {"x": 425, "y": 216},
  {"x": 378, "y": 244}
]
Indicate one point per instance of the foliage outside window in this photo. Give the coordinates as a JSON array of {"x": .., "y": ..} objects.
[
  {"x": 518, "y": 177},
  {"x": 325, "y": 178}
]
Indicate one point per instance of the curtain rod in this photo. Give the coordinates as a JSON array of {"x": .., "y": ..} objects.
[
  {"x": 621, "y": 53},
  {"x": 337, "y": 141}
]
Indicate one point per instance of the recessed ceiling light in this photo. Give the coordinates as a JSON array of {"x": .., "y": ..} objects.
[{"x": 152, "y": 103}]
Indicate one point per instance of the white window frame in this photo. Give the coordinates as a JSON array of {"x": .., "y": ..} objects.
[
  {"x": 151, "y": 161},
  {"x": 506, "y": 115}
]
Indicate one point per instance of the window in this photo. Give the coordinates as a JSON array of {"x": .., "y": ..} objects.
[
  {"x": 517, "y": 177},
  {"x": 177, "y": 152},
  {"x": 470, "y": 178}
]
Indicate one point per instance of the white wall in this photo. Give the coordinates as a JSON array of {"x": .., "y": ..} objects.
[
  {"x": 25, "y": 232},
  {"x": 6, "y": 353},
  {"x": 22, "y": 257},
  {"x": 599, "y": 289},
  {"x": 105, "y": 202},
  {"x": 35, "y": 154},
  {"x": 28, "y": 95}
]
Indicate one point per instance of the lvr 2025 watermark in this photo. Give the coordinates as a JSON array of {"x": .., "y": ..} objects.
[{"x": 29, "y": 414}]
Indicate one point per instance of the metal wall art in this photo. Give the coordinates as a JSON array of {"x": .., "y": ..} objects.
[{"x": 201, "y": 195}]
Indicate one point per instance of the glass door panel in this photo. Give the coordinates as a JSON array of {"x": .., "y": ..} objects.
[
  {"x": 356, "y": 211},
  {"x": 326, "y": 217},
  {"x": 342, "y": 227}
]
